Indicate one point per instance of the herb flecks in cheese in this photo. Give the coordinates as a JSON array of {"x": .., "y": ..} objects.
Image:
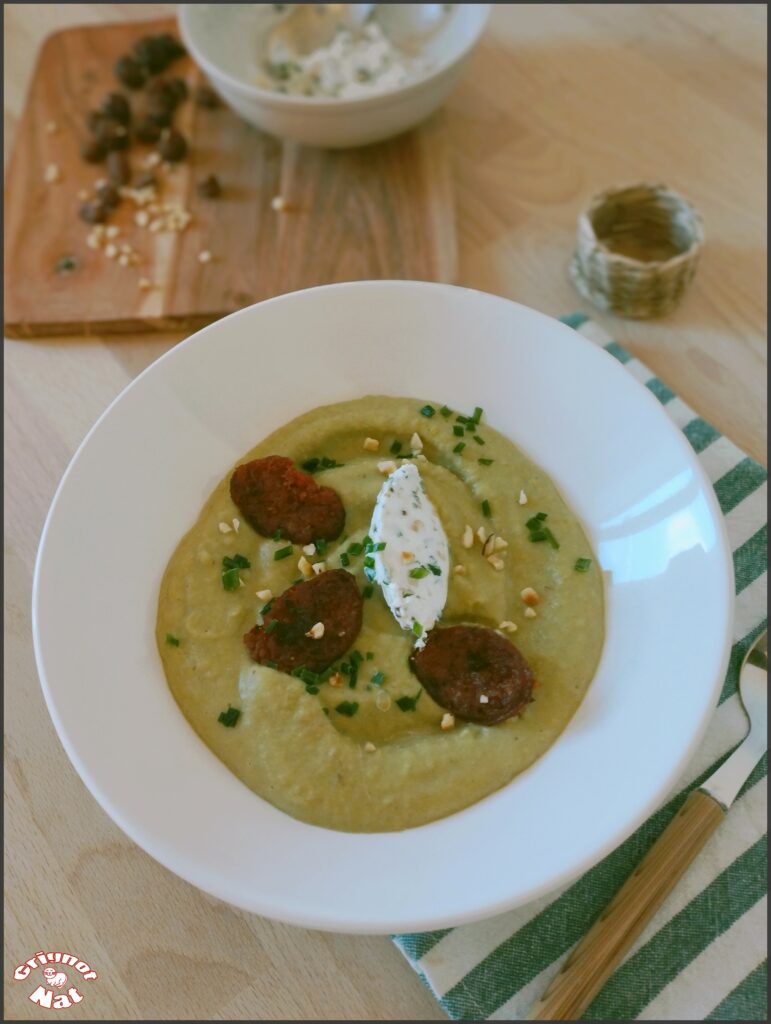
[{"x": 413, "y": 568}]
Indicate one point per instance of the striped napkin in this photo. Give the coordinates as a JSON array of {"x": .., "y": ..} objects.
[{"x": 703, "y": 956}]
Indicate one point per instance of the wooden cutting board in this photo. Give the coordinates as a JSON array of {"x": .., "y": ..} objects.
[{"x": 385, "y": 211}]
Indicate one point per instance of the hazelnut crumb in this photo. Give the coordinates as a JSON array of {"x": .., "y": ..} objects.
[
  {"x": 265, "y": 595},
  {"x": 205, "y": 256},
  {"x": 508, "y": 626},
  {"x": 112, "y": 231},
  {"x": 468, "y": 537},
  {"x": 305, "y": 566},
  {"x": 371, "y": 444},
  {"x": 386, "y": 467},
  {"x": 309, "y": 549},
  {"x": 370, "y": 747},
  {"x": 530, "y": 596},
  {"x": 225, "y": 528},
  {"x": 318, "y": 568},
  {"x": 482, "y": 534},
  {"x": 483, "y": 698},
  {"x": 111, "y": 251},
  {"x": 416, "y": 443},
  {"x": 407, "y": 556},
  {"x": 448, "y": 721},
  {"x": 336, "y": 680},
  {"x": 460, "y": 570},
  {"x": 522, "y": 498},
  {"x": 499, "y": 544},
  {"x": 496, "y": 562},
  {"x": 530, "y": 613},
  {"x": 236, "y": 525},
  {"x": 316, "y": 632}
]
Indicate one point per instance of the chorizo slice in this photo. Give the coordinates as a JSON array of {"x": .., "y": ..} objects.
[
  {"x": 283, "y": 641},
  {"x": 475, "y": 673},
  {"x": 272, "y": 494}
]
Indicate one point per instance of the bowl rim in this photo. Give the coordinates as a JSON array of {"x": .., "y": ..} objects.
[
  {"x": 321, "y": 104},
  {"x": 262, "y": 906}
]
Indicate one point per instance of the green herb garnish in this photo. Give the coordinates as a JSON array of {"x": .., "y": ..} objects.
[
  {"x": 458, "y": 431},
  {"x": 445, "y": 411},
  {"x": 583, "y": 564},
  {"x": 230, "y": 717},
  {"x": 485, "y": 462},
  {"x": 535, "y": 521},
  {"x": 486, "y": 510},
  {"x": 270, "y": 664},
  {"x": 277, "y": 533},
  {"x": 266, "y": 607},
  {"x": 459, "y": 447},
  {"x": 369, "y": 562},
  {"x": 418, "y": 573},
  {"x": 271, "y": 626},
  {"x": 310, "y": 465},
  {"x": 477, "y": 414},
  {"x": 396, "y": 447},
  {"x": 539, "y": 532},
  {"x": 174, "y": 640},
  {"x": 370, "y": 655},
  {"x": 478, "y": 439},
  {"x": 417, "y": 629},
  {"x": 434, "y": 569},
  {"x": 368, "y": 591},
  {"x": 282, "y": 553},
  {"x": 344, "y": 559},
  {"x": 355, "y": 549},
  {"x": 428, "y": 411},
  {"x": 321, "y": 546},
  {"x": 378, "y": 678},
  {"x": 347, "y": 708},
  {"x": 409, "y": 703},
  {"x": 231, "y": 579},
  {"x": 312, "y": 689}
]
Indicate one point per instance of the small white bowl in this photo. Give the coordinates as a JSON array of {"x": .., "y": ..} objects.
[{"x": 222, "y": 42}]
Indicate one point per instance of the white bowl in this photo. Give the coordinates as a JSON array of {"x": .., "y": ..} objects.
[
  {"x": 139, "y": 480},
  {"x": 219, "y": 38}
]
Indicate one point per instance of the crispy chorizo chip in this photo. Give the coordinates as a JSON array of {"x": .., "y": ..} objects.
[
  {"x": 290, "y": 637},
  {"x": 272, "y": 494},
  {"x": 475, "y": 673}
]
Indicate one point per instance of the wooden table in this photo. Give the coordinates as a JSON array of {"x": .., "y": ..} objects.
[{"x": 559, "y": 101}]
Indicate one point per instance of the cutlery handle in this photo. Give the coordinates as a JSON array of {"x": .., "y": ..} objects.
[{"x": 598, "y": 954}]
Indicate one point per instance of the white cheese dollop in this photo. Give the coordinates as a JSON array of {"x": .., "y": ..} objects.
[{"x": 413, "y": 567}]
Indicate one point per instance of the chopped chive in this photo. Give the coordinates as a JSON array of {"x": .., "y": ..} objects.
[
  {"x": 470, "y": 426},
  {"x": 311, "y": 689},
  {"x": 345, "y": 668},
  {"x": 428, "y": 411},
  {"x": 544, "y": 534},
  {"x": 459, "y": 447},
  {"x": 409, "y": 703},
  {"x": 434, "y": 569},
  {"x": 445, "y": 411},
  {"x": 367, "y": 540},
  {"x": 344, "y": 559},
  {"x": 277, "y": 533},
  {"x": 266, "y": 607},
  {"x": 478, "y": 439},
  {"x": 282, "y": 553},
  {"x": 352, "y": 681},
  {"x": 230, "y": 717},
  {"x": 355, "y": 549},
  {"x": 582, "y": 565},
  {"x": 321, "y": 546},
  {"x": 461, "y": 419},
  {"x": 417, "y": 629},
  {"x": 535, "y": 521},
  {"x": 370, "y": 655},
  {"x": 486, "y": 510},
  {"x": 347, "y": 708},
  {"x": 330, "y": 463},
  {"x": 310, "y": 465},
  {"x": 458, "y": 431},
  {"x": 236, "y": 562},
  {"x": 357, "y": 657},
  {"x": 419, "y": 573},
  {"x": 174, "y": 640},
  {"x": 396, "y": 447},
  {"x": 378, "y": 678},
  {"x": 271, "y": 664},
  {"x": 477, "y": 414},
  {"x": 368, "y": 591},
  {"x": 369, "y": 562},
  {"x": 271, "y": 626},
  {"x": 231, "y": 580},
  {"x": 369, "y": 548},
  {"x": 325, "y": 711},
  {"x": 485, "y": 462}
]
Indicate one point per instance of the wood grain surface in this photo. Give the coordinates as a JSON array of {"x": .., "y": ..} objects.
[
  {"x": 560, "y": 100},
  {"x": 385, "y": 211}
]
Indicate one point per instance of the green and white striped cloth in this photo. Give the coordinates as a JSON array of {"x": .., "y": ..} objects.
[{"x": 704, "y": 955}]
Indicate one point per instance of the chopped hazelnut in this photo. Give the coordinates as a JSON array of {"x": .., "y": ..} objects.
[
  {"x": 305, "y": 566},
  {"x": 483, "y": 698},
  {"x": 370, "y": 747},
  {"x": 530, "y": 596},
  {"x": 496, "y": 562},
  {"x": 265, "y": 595},
  {"x": 482, "y": 534},
  {"x": 225, "y": 528},
  {"x": 371, "y": 444},
  {"x": 416, "y": 444},
  {"x": 236, "y": 525},
  {"x": 468, "y": 537},
  {"x": 309, "y": 550},
  {"x": 448, "y": 721},
  {"x": 205, "y": 256},
  {"x": 500, "y": 544},
  {"x": 522, "y": 498},
  {"x": 460, "y": 570},
  {"x": 318, "y": 568},
  {"x": 508, "y": 626},
  {"x": 316, "y": 632},
  {"x": 530, "y": 613},
  {"x": 407, "y": 556},
  {"x": 386, "y": 467},
  {"x": 336, "y": 680}
]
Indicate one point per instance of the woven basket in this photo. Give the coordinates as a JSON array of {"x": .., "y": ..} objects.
[{"x": 637, "y": 249}]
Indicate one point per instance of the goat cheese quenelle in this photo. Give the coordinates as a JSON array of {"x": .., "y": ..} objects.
[{"x": 384, "y": 612}]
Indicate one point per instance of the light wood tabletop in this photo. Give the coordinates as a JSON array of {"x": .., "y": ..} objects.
[{"x": 559, "y": 101}]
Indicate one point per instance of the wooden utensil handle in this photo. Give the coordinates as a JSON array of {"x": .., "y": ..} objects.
[{"x": 595, "y": 958}]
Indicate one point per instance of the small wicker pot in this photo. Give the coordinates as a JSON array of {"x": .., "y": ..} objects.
[{"x": 637, "y": 249}]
